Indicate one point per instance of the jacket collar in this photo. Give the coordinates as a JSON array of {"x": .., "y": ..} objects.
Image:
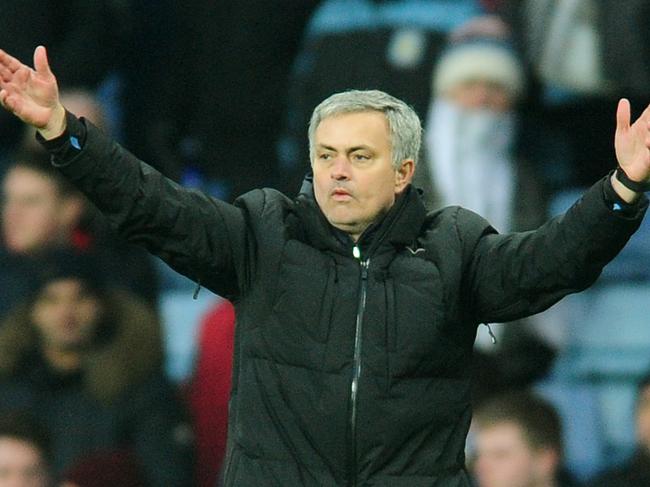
[{"x": 396, "y": 229}]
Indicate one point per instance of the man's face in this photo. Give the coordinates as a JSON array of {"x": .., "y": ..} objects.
[
  {"x": 354, "y": 178},
  {"x": 21, "y": 464},
  {"x": 32, "y": 210},
  {"x": 643, "y": 418},
  {"x": 504, "y": 458},
  {"x": 480, "y": 94},
  {"x": 66, "y": 315}
]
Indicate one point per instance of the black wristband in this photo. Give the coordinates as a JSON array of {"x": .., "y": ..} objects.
[
  {"x": 614, "y": 200},
  {"x": 67, "y": 145},
  {"x": 637, "y": 186}
]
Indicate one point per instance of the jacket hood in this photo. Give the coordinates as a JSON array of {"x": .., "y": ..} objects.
[
  {"x": 130, "y": 353},
  {"x": 399, "y": 227}
]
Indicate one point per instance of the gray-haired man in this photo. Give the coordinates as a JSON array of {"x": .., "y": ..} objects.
[{"x": 356, "y": 310}]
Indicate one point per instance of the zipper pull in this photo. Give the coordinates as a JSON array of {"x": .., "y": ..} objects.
[
  {"x": 364, "y": 263},
  {"x": 364, "y": 269}
]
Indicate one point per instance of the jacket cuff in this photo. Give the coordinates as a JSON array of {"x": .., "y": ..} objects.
[
  {"x": 64, "y": 148},
  {"x": 617, "y": 204}
]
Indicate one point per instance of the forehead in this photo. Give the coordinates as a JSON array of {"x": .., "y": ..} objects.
[
  {"x": 65, "y": 286},
  {"x": 353, "y": 127},
  {"x": 503, "y": 435},
  {"x": 25, "y": 179}
]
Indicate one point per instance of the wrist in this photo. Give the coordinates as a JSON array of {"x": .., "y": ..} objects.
[
  {"x": 56, "y": 125},
  {"x": 626, "y": 194}
]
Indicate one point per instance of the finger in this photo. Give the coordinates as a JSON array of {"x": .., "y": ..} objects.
[
  {"x": 5, "y": 74},
  {"x": 5, "y": 101},
  {"x": 10, "y": 62},
  {"x": 41, "y": 63},
  {"x": 623, "y": 115}
]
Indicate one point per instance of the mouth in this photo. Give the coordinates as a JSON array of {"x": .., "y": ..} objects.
[{"x": 341, "y": 195}]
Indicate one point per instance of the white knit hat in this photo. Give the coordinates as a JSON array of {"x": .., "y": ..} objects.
[{"x": 479, "y": 59}]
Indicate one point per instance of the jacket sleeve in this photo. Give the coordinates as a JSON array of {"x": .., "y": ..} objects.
[
  {"x": 515, "y": 275},
  {"x": 199, "y": 236}
]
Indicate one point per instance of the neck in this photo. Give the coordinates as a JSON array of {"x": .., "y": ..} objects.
[
  {"x": 354, "y": 236},
  {"x": 354, "y": 230}
]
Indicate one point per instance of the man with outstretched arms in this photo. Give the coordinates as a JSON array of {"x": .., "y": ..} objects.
[{"x": 356, "y": 309}]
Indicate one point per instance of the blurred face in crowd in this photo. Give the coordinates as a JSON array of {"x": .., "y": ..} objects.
[
  {"x": 505, "y": 459},
  {"x": 355, "y": 181},
  {"x": 34, "y": 213},
  {"x": 481, "y": 94},
  {"x": 21, "y": 464},
  {"x": 66, "y": 314},
  {"x": 643, "y": 418}
]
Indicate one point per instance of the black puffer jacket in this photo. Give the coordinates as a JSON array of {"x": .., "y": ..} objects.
[{"x": 351, "y": 362}]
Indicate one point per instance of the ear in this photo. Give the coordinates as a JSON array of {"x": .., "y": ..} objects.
[{"x": 404, "y": 175}]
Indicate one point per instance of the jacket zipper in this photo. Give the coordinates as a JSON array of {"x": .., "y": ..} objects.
[{"x": 356, "y": 367}]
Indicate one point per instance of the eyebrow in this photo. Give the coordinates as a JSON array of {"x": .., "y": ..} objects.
[{"x": 351, "y": 149}]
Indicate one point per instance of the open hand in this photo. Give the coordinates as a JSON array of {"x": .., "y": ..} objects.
[
  {"x": 32, "y": 94},
  {"x": 632, "y": 142}
]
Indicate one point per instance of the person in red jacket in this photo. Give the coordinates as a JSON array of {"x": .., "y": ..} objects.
[{"x": 209, "y": 391}]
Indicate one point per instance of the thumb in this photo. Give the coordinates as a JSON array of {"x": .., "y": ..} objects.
[
  {"x": 41, "y": 63},
  {"x": 623, "y": 115}
]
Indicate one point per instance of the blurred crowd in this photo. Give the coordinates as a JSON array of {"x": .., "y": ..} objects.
[{"x": 115, "y": 370}]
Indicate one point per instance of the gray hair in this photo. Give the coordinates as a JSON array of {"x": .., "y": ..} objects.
[{"x": 403, "y": 122}]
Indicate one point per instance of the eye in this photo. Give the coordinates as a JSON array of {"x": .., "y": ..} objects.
[
  {"x": 360, "y": 157},
  {"x": 325, "y": 157}
]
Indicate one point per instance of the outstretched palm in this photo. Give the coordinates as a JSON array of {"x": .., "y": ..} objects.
[
  {"x": 632, "y": 142},
  {"x": 31, "y": 94}
]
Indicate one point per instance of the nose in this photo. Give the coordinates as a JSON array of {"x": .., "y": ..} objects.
[
  {"x": 67, "y": 314},
  {"x": 340, "y": 169},
  {"x": 491, "y": 97},
  {"x": 482, "y": 96}
]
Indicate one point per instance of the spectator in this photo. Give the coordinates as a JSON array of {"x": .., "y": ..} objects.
[
  {"x": 472, "y": 129},
  {"x": 24, "y": 452},
  {"x": 471, "y": 146},
  {"x": 518, "y": 443},
  {"x": 87, "y": 362},
  {"x": 40, "y": 211},
  {"x": 636, "y": 471},
  {"x": 209, "y": 391},
  {"x": 40, "y": 208}
]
